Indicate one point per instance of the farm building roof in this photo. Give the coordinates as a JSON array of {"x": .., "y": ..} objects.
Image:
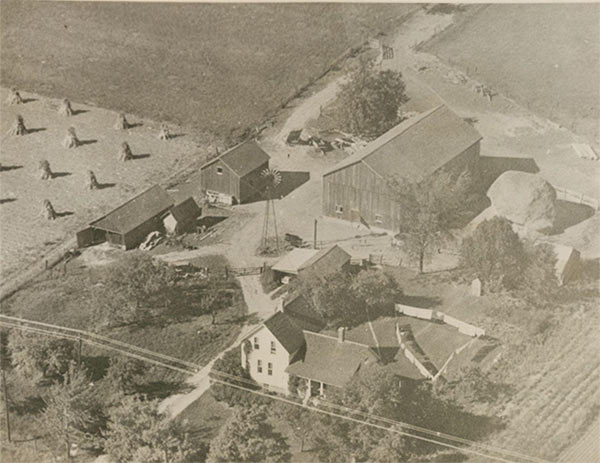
[
  {"x": 330, "y": 361},
  {"x": 291, "y": 262},
  {"x": 416, "y": 147},
  {"x": 186, "y": 210},
  {"x": 327, "y": 259},
  {"x": 288, "y": 333},
  {"x": 136, "y": 211},
  {"x": 242, "y": 158}
]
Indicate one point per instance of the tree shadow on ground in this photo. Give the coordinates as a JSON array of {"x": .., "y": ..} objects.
[
  {"x": 7, "y": 200},
  {"x": 87, "y": 142},
  {"x": 569, "y": 214},
  {"x": 31, "y": 405},
  {"x": 162, "y": 389},
  {"x": 139, "y": 156},
  {"x": 76, "y": 112},
  {"x": 96, "y": 366},
  {"x": 60, "y": 174},
  {"x": 102, "y": 186}
]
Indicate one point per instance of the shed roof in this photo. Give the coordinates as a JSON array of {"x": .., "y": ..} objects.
[
  {"x": 136, "y": 211},
  {"x": 331, "y": 258},
  {"x": 416, "y": 147},
  {"x": 186, "y": 210},
  {"x": 285, "y": 331},
  {"x": 243, "y": 158},
  {"x": 291, "y": 262},
  {"x": 329, "y": 361}
]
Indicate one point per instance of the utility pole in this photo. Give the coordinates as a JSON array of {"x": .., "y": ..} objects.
[
  {"x": 4, "y": 389},
  {"x": 315, "y": 236}
]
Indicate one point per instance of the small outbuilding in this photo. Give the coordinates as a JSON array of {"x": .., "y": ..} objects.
[
  {"x": 182, "y": 217},
  {"x": 129, "y": 224},
  {"x": 304, "y": 261},
  {"x": 568, "y": 262},
  {"x": 235, "y": 177}
]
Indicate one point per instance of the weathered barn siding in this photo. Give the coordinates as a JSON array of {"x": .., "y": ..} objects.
[
  {"x": 226, "y": 182},
  {"x": 136, "y": 236},
  {"x": 361, "y": 193},
  {"x": 251, "y": 185}
]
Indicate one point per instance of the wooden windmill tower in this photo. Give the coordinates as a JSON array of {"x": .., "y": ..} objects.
[{"x": 272, "y": 178}]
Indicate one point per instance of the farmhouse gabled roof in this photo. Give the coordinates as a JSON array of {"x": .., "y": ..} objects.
[
  {"x": 329, "y": 361},
  {"x": 332, "y": 258},
  {"x": 302, "y": 313},
  {"x": 186, "y": 210},
  {"x": 139, "y": 209},
  {"x": 243, "y": 158},
  {"x": 416, "y": 147},
  {"x": 285, "y": 331}
]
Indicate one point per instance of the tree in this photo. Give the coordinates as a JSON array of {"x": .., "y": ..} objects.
[
  {"x": 391, "y": 448},
  {"x": 370, "y": 100},
  {"x": 247, "y": 436},
  {"x": 123, "y": 372},
  {"x": 34, "y": 355},
  {"x": 428, "y": 209},
  {"x": 137, "y": 432},
  {"x": 539, "y": 282},
  {"x": 494, "y": 254},
  {"x": 376, "y": 289},
  {"x": 228, "y": 368},
  {"x": 72, "y": 415},
  {"x": 135, "y": 280}
]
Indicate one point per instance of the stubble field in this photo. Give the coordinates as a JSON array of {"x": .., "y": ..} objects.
[{"x": 546, "y": 57}]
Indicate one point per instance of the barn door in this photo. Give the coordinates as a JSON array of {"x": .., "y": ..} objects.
[
  {"x": 88, "y": 237},
  {"x": 355, "y": 215}
]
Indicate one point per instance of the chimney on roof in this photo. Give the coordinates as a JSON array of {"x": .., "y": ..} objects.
[{"x": 341, "y": 334}]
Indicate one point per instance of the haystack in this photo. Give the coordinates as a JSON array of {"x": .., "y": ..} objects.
[
  {"x": 92, "y": 183},
  {"x": 48, "y": 211},
  {"x": 524, "y": 199},
  {"x": 65, "y": 108},
  {"x": 125, "y": 153},
  {"x": 19, "y": 127},
  {"x": 164, "y": 133},
  {"x": 122, "y": 123},
  {"x": 45, "y": 171},
  {"x": 71, "y": 140},
  {"x": 14, "y": 97}
]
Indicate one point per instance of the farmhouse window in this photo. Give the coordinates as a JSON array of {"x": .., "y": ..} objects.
[
  {"x": 259, "y": 366},
  {"x": 378, "y": 218},
  {"x": 270, "y": 369},
  {"x": 272, "y": 347},
  {"x": 219, "y": 171},
  {"x": 339, "y": 209},
  {"x": 256, "y": 345}
]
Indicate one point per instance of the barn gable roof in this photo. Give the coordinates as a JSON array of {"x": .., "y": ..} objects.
[
  {"x": 242, "y": 158},
  {"x": 416, "y": 147},
  {"x": 186, "y": 210},
  {"x": 136, "y": 211}
]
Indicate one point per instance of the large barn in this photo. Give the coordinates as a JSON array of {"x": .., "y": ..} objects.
[
  {"x": 234, "y": 177},
  {"x": 356, "y": 189}
]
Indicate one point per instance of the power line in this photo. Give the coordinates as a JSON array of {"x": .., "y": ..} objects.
[{"x": 193, "y": 368}]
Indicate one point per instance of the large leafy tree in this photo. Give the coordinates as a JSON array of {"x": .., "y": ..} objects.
[
  {"x": 132, "y": 287},
  {"x": 247, "y": 436},
  {"x": 137, "y": 432},
  {"x": 34, "y": 355},
  {"x": 428, "y": 209},
  {"x": 369, "y": 101},
  {"x": 376, "y": 289},
  {"x": 72, "y": 415},
  {"x": 123, "y": 372},
  {"x": 494, "y": 254},
  {"x": 393, "y": 447}
]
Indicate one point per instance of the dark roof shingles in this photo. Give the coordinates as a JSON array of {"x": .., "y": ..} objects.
[{"x": 243, "y": 158}]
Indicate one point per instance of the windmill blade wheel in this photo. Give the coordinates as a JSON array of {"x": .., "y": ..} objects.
[{"x": 272, "y": 176}]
